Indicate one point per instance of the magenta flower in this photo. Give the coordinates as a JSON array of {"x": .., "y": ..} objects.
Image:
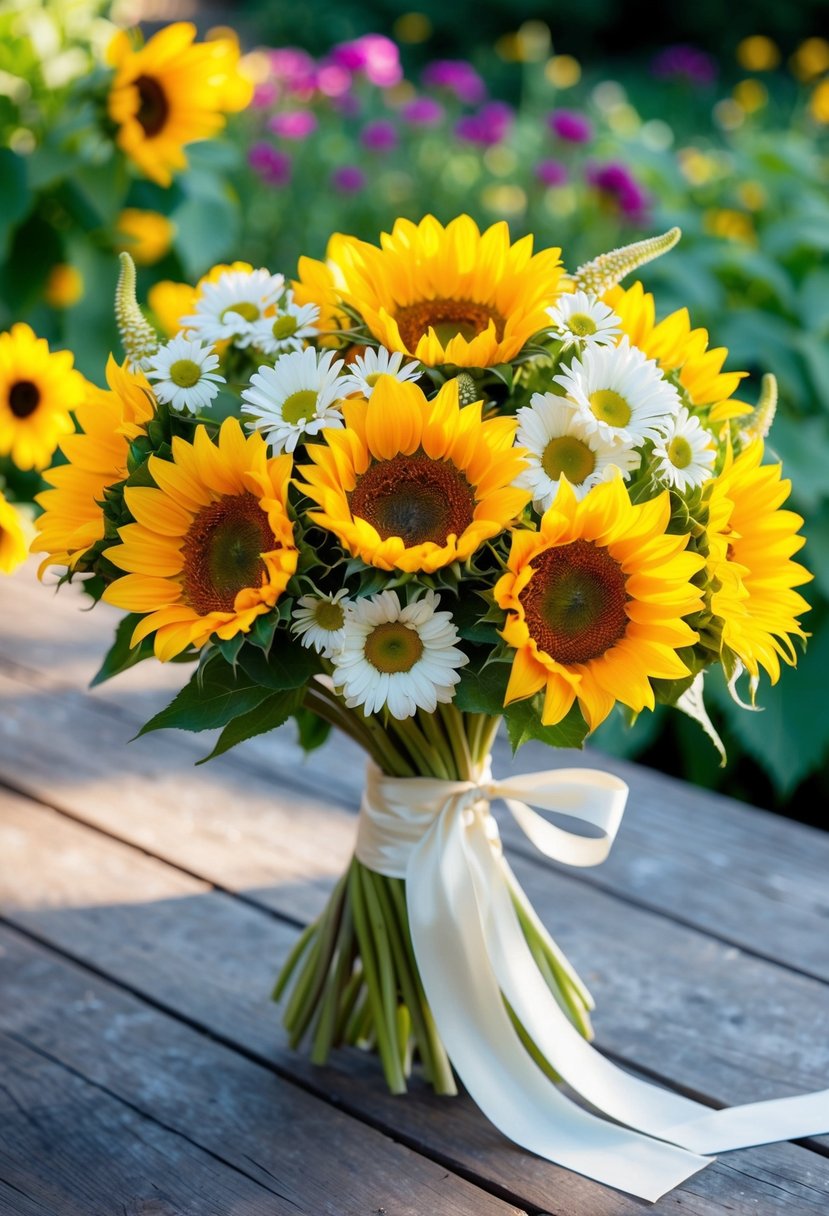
[
  {"x": 373, "y": 55},
  {"x": 271, "y": 164},
  {"x": 293, "y": 124},
  {"x": 684, "y": 63},
  {"x": 488, "y": 127},
  {"x": 459, "y": 77},
  {"x": 265, "y": 95},
  {"x": 571, "y": 126},
  {"x": 348, "y": 179},
  {"x": 550, "y": 173},
  {"x": 379, "y": 136},
  {"x": 615, "y": 181},
  {"x": 422, "y": 112},
  {"x": 294, "y": 68},
  {"x": 333, "y": 80}
]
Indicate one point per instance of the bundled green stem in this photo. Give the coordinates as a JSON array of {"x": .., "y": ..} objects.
[{"x": 352, "y": 977}]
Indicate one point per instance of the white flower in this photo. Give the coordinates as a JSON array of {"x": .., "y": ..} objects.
[
  {"x": 319, "y": 620},
  {"x": 685, "y": 455},
  {"x": 402, "y": 658},
  {"x": 230, "y": 307},
  {"x": 293, "y": 398},
  {"x": 286, "y": 331},
  {"x": 557, "y": 442},
  {"x": 185, "y": 373},
  {"x": 620, "y": 394},
  {"x": 373, "y": 363},
  {"x": 583, "y": 320}
]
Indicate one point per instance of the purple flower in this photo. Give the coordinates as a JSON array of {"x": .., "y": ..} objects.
[
  {"x": 684, "y": 63},
  {"x": 616, "y": 182},
  {"x": 333, "y": 80},
  {"x": 551, "y": 173},
  {"x": 374, "y": 55},
  {"x": 571, "y": 126},
  {"x": 348, "y": 179},
  {"x": 271, "y": 164},
  {"x": 458, "y": 76},
  {"x": 379, "y": 136},
  {"x": 265, "y": 95},
  {"x": 489, "y": 126},
  {"x": 422, "y": 112},
  {"x": 293, "y": 124},
  {"x": 294, "y": 68}
]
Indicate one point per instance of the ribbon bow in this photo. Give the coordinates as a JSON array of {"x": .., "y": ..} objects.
[{"x": 472, "y": 956}]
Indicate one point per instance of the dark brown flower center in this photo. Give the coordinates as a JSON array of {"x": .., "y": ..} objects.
[
  {"x": 575, "y": 601},
  {"x": 24, "y": 398},
  {"x": 448, "y": 318},
  {"x": 153, "y": 106},
  {"x": 415, "y": 498},
  {"x": 223, "y": 552}
]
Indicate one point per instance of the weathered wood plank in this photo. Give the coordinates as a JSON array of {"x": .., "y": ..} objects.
[
  {"x": 682, "y": 851},
  {"x": 210, "y": 958},
  {"x": 302, "y": 1154}
]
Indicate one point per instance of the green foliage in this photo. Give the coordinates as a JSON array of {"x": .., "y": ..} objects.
[
  {"x": 121, "y": 654},
  {"x": 216, "y": 694},
  {"x": 274, "y": 711},
  {"x": 523, "y": 719}
]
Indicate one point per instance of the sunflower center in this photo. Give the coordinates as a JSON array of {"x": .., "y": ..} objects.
[
  {"x": 300, "y": 406},
  {"x": 448, "y": 318},
  {"x": 569, "y": 456},
  {"x": 24, "y": 398},
  {"x": 244, "y": 309},
  {"x": 329, "y": 616},
  {"x": 610, "y": 407},
  {"x": 284, "y": 327},
  {"x": 581, "y": 325},
  {"x": 574, "y": 604},
  {"x": 185, "y": 373},
  {"x": 222, "y": 552},
  {"x": 393, "y": 647},
  {"x": 415, "y": 498},
  {"x": 153, "y": 106},
  {"x": 679, "y": 452}
]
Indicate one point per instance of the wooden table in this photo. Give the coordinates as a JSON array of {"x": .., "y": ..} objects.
[{"x": 146, "y": 905}]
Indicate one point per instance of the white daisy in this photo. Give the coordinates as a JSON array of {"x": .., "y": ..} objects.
[
  {"x": 319, "y": 620},
  {"x": 686, "y": 453},
  {"x": 402, "y": 658},
  {"x": 557, "y": 443},
  {"x": 583, "y": 320},
  {"x": 286, "y": 331},
  {"x": 295, "y": 397},
  {"x": 374, "y": 362},
  {"x": 230, "y": 307},
  {"x": 620, "y": 394},
  {"x": 185, "y": 373}
]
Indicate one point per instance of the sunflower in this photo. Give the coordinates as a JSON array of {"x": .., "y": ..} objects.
[
  {"x": 146, "y": 235},
  {"x": 38, "y": 391},
  {"x": 678, "y": 348},
  {"x": 73, "y": 519},
  {"x": 212, "y": 547},
  {"x": 171, "y": 92},
  {"x": 595, "y": 602},
  {"x": 751, "y": 543},
  {"x": 411, "y": 484},
  {"x": 324, "y": 284},
  {"x": 13, "y": 547},
  {"x": 442, "y": 295}
]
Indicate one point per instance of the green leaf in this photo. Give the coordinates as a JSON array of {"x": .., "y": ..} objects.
[
  {"x": 482, "y": 689},
  {"x": 14, "y": 196},
  {"x": 523, "y": 719},
  {"x": 288, "y": 664},
  {"x": 215, "y": 695},
  {"x": 121, "y": 654},
  {"x": 270, "y": 713},
  {"x": 313, "y": 730}
]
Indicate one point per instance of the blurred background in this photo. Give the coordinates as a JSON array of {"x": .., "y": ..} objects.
[{"x": 588, "y": 127}]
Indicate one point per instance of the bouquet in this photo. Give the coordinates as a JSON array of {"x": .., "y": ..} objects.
[{"x": 426, "y": 488}]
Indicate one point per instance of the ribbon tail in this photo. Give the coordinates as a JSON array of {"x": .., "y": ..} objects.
[{"x": 465, "y": 997}]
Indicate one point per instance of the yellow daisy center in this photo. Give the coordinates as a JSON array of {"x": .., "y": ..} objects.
[
  {"x": 581, "y": 325},
  {"x": 679, "y": 452},
  {"x": 185, "y": 373},
  {"x": 393, "y": 647},
  {"x": 153, "y": 106},
  {"x": 222, "y": 553},
  {"x": 329, "y": 616},
  {"x": 24, "y": 398},
  {"x": 299, "y": 406},
  {"x": 448, "y": 318},
  {"x": 574, "y": 604},
  {"x": 569, "y": 456},
  {"x": 610, "y": 407},
  {"x": 283, "y": 327},
  {"x": 372, "y": 378},
  {"x": 243, "y": 308},
  {"x": 415, "y": 498}
]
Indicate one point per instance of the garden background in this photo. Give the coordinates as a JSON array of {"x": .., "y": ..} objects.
[{"x": 589, "y": 133}]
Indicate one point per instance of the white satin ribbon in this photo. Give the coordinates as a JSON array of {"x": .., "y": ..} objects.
[{"x": 471, "y": 952}]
